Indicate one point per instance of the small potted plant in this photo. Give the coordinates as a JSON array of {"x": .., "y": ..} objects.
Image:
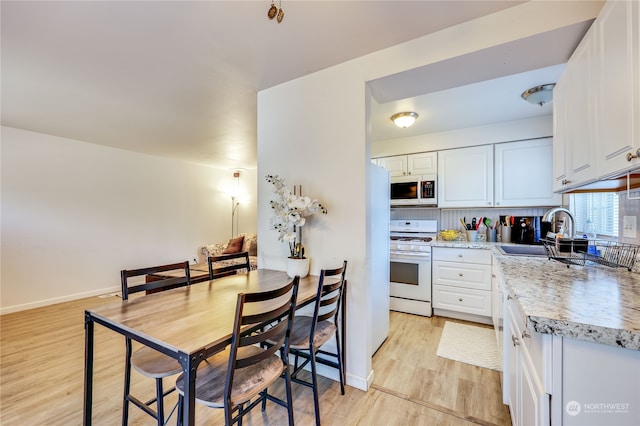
[{"x": 291, "y": 211}]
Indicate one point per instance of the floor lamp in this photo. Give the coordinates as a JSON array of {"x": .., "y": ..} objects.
[{"x": 235, "y": 203}]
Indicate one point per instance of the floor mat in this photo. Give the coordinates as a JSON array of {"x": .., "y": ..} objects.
[{"x": 469, "y": 344}]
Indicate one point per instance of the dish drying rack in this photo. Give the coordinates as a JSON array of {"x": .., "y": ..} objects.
[{"x": 579, "y": 251}]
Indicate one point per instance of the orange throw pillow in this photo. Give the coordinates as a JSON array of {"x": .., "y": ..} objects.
[{"x": 234, "y": 245}]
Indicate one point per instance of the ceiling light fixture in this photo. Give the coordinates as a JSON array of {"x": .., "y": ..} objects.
[
  {"x": 404, "y": 119},
  {"x": 540, "y": 94},
  {"x": 276, "y": 11}
]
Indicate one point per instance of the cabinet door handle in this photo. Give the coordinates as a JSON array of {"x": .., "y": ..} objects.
[
  {"x": 631, "y": 156},
  {"x": 525, "y": 333},
  {"x": 509, "y": 297},
  {"x": 514, "y": 340}
]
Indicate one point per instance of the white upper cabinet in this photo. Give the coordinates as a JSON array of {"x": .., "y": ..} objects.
[
  {"x": 422, "y": 164},
  {"x": 523, "y": 174},
  {"x": 597, "y": 101},
  {"x": 465, "y": 177},
  {"x": 618, "y": 83},
  {"x": 413, "y": 164},
  {"x": 396, "y": 165},
  {"x": 574, "y": 105}
]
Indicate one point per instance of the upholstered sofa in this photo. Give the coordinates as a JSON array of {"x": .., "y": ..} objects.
[{"x": 249, "y": 242}]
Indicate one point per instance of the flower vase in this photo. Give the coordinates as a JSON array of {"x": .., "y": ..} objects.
[{"x": 296, "y": 266}]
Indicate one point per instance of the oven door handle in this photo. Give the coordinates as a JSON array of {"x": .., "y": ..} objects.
[{"x": 409, "y": 256}]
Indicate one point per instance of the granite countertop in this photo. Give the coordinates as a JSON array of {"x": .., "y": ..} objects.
[
  {"x": 484, "y": 245},
  {"x": 593, "y": 303}
]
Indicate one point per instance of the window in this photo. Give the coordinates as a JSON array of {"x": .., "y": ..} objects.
[{"x": 600, "y": 207}]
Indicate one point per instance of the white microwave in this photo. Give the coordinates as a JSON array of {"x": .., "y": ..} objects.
[{"x": 414, "y": 190}]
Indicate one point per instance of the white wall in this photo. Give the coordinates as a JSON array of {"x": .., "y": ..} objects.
[
  {"x": 508, "y": 131},
  {"x": 74, "y": 214},
  {"x": 313, "y": 131}
]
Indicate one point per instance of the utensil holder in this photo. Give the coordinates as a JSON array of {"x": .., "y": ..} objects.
[{"x": 506, "y": 234}]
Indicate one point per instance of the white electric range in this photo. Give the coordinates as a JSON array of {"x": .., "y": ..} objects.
[{"x": 410, "y": 265}]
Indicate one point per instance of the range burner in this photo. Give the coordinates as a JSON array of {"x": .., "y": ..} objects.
[{"x": 408, "y": 234}]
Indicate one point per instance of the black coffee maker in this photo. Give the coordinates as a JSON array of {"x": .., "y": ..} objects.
[{"x": 526, "y": 230}]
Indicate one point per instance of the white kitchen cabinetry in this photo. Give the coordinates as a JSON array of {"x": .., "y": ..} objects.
[
  {"x": 465, "y": 177},
  {"x": 557, "y": 380},
  {"x": 462, "y": 283},
  {"x": 413, "y": 164},
  {"x": 602, "y": 382},
  {"x": 574, "y": 128},
  {"x": 497, "y": 312},
  {"x": 597, "y": 101},
  {"x": 523, "y": 174},
  {"x": 528, "y": 401},
  {"x": 617, "y": 64}
]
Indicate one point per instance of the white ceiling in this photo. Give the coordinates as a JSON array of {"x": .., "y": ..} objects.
[{"x": 179, "y": 78}]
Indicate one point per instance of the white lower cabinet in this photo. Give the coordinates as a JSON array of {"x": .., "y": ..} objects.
[
  {"x": 529, "y": 403},
  {"x": 553, "y": 380},
  {"x": 462, "y": 283},
  {"x": 600, "y": 385}
]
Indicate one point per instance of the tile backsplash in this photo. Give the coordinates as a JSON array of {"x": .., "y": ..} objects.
[{"x": 450, "y": 218}]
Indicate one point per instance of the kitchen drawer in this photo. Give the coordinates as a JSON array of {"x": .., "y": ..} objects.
[
  {"x": 467, "y": 275},
  {"x": 462, "y": 300},
  {"x": 462, "y": 255}
]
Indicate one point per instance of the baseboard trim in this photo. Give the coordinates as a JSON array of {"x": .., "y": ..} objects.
[{"x": 56, "y": 300}]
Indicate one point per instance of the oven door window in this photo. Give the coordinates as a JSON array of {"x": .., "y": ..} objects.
[{"x": 405, "y": 273}]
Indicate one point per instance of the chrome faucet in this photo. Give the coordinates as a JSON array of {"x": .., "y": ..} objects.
[{"x": 549, "y": 216}]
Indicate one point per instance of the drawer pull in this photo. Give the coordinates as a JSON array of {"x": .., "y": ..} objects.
[
  {"x": 461, "y": 274},
  {"x": 460, "y": 299},
  {"x": 514, "y": 340}
]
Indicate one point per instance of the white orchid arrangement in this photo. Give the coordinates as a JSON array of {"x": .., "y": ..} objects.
[{"x": 291, "y": 211}]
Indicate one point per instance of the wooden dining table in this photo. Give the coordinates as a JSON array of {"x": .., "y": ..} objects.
[{"x": 188, "y": 324}]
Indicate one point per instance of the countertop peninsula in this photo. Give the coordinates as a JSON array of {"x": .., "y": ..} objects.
[{"x": 593, "y": 303}]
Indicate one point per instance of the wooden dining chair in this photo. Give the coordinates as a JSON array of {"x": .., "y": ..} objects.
[
  {"x": 244, "y": 370},
  {"x": 310, "y": 333},
  {"x": 145, "y": 360},
  {"x": 228, "y": 264}
]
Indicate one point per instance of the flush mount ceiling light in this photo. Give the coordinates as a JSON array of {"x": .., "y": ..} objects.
[
  {"x": 539, "y": 94},
  {"x": 404, "y": 119}
]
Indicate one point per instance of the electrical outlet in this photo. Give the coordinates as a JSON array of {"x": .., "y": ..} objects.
[{"x": 629, "y": 227}]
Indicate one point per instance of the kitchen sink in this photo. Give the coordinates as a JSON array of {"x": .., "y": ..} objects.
[{"x": 523, "y": 250}]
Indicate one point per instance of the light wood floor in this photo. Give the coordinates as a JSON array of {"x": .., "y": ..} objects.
[{"x": 41, "y": 382}]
